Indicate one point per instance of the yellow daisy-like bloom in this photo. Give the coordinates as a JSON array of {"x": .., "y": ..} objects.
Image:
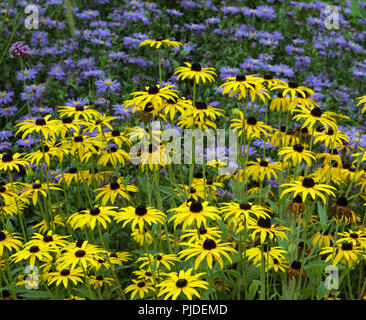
[
  {"x": 357, "y": 238},
  {"x": 79, "y": 253},
  {"x": 331, "y": 137},
  {"x": 195, "y": 71},
  {"x": 245, "y": 210},
  {"x": 9, "y": 241},
  {"x": 154, "y": 95},
  {"x": 32, "y": 253},
  {"x": 33, "y": 191},
  {"x": 276, "y": 265},
  {"x": 306, "y": 187},
  {"x": 201, "y": 111},
  {"x": 114, "y": 156},
  {"x": 208, "y": 249},
  {"x": 325, "y": 172},
  {"x": 297, "y": 154},
  {"x": 82, "y": 144},
  {"x": 113, "y": 190},
  {"x": 269, "y": 253},
  {"x": 67, "y": 125},
  {"x": 269, "y": 81},
  {"x": 196, "y": 192},
  {"x": 7, "y": 192},
  {"x": 154, "y": 155},
  {"x": 280, "y": 103},
  {"x": 182, "y": 282},
  {"x": 330, "y": 156},
  {"x": 49, "y": 128},
  {"x": 100, "y": 281},
  {"x": 266, "y": 230},
  {"x": 140, "y": 216},
  {"x": 12, "y": 161},
  {"x": 117, "y": 137},
  {"x": 343, "y": 251},
  {"x": 139, "y": 287},
  {"x": 253, "y": 127},
  {"x": 57, "y": 220},
  {"x": 262, "y": 169},
  {"x": 64, "y": 276},
  {"x": 84, "y": 112},
  {"x": 294, "y": 90},
  {"x": 306, "y": 102},
  {"x": 362, "y": 101},
  {"x": 313, "y": 117},
  {"x": 167, "y": 260},
  {"x": 195, "y": 235},
  {"x": 142, "y": 237},
  {"x": 322, "y": 239},
  {"x": 50, "y": 240},
  {"x": 100, "y": 123},
  {"x": 194, "y": 213},
  {"x": 92, "y": 217},
  {"x": 244, "y": 85},
  {"x": 159, "y": 42},
  {"x": 172, "y": 106}
]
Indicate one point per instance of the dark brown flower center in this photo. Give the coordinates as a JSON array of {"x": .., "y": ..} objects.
[
  {"x": 240, "y": 77},
  {"x": 342, "y": 201},
  {"x": 67, "y": 120},
  {"x": 116, "y": 133},
  {"x": 195, "y": 206},
  {"x": 298, "y": 147},
  {"x": 293, "y": 85},
  {"x": 202, "y": 230},
  {"x": 153, "y": 90},
  {"x": 196, "y": 66},
  {"x": 7, "y": 157},
  {"x": 264, "y": 222},
  {"x": 141, "y": 284},
  {"x": 2, "y": 236},
  {"x": 181, "y": 283},
  {"x": 65, "y": 272},
  {"x": 316, "y": 112},
  {"x": 200, "y": 105},
  {"x": 34, "y": 249},
  {"x": 354, "y": 235},
  {"x": 252, "y": 121},
  {"x": 41, "y": 122},
  {"x": 263, "y": 163},
  {"x": 99, "y": 278},
  {"x": 209, "y": 244},
  {"x": 158, "y": 257},
  {"x": 297, "y": 199},
  {"x": 79, "y": 108},
  {"x": 308, "y": 183},
  {"x": 114, "y": 186},
  {"x": 140, "y": 210},
  {"x": 47, "y": 238},
  {"x": 347, "y": 246},
  {"x": 79, "y": 139},
  {"x": 37, "y": 186},
  {"x": 73, "y": 170},
  {"x": 245, "y": 206},
  {"x": 94, "y": 211},
  {"x": 296, "y": 265},
  {"x": 80, "y": 253}
]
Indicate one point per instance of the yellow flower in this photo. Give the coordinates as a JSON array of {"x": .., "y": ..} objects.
[
  {"x": 159, "y": 42},
  {"x": 195, "y": 71}
]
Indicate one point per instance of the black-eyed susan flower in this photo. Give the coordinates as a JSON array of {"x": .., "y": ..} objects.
[
  {"x": 330, "y": 156},
  {"x": 154, "y": 95},
  {"x": 83, "y": 144},
  {"x": 11, "y": 162},
  {"x": 100, "y": 281},
  {"x": 50, "y": 240},
  {"x": 37, "y": 189},
  {"x": 277, "y": 265},
  {"x": 140, "y": 288},
  {"x": 142, "y": 237},
  {"x": 159, "y": 42},
  {"x": 357, "y": 237},
  {"x": 10, "y": 241},
  {"x": 69, "y": 125},
  {"x": 264, "y": 229},
  {"x": 43, "y": 228},
  {"x": 78, "y": 112},
  {"x": 279, "y": 103},
  {"x": 253, "y": 127},
  {"x": 98, "y": 215},
  {"x": 81, "y": 254},
  {"x": 243, "y": 210},
  {"x": 65, "y": 276},
  {"x": 244, "y": 85},
  {"x": 194, "y": 213},
  {"x": 69, "y": 176},
  {"x": 314, "y": 117},
  {"x": 331, "y": 137},
  {"x": 182, "y": 282},
  {"x": 154, "y": 155},
  {"x": 194, "y": 235},
  {"x": 308, "y": 187},
  {"x": 118, "y": 137},
  {"x": 173, "y": 106},
  {"x": 195, "y": 71},
  {"x": 140, "y": 216},
  {"x": 6, "y": 192},
  {"x": 119, "y": 257},
  {"x": 208, "y": 250},
  {"x": 101, "y": 122},
  {"x": 48, "y": 128},
  {"x": 110, "y": 192},
  {"x": 344, "y": 251},
  {"x": 114, "y": 156},
  {"x": 269, "y": 253},
  {"x": 306, "y": 102},
  {"x": 296, "y": 205},
  {"x": 32, "y": 253},
  {"x": 167, "y": 260},
  {"x": 297, "y": 154},
  {"x": 294, "y": 90},
  {"x": 196, "y": 192},
  {"x": 261, "y": 169},
  {"x": 343, "y": 212},
  {"x": 322, "y": 239}
]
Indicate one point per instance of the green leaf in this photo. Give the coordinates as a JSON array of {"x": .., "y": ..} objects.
[
  {"x": 35, "y": 294},
  {"x": 322, "y": 214},
  {"x": 316, "y": 265},
  {"x": 253, "y": 288}
]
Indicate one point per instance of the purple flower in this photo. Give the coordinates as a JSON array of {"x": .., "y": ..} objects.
[
  {"x": 107, "y": 85},
  {"x": 28, "y": 74},
  {"x": 6, "y": 97}
]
